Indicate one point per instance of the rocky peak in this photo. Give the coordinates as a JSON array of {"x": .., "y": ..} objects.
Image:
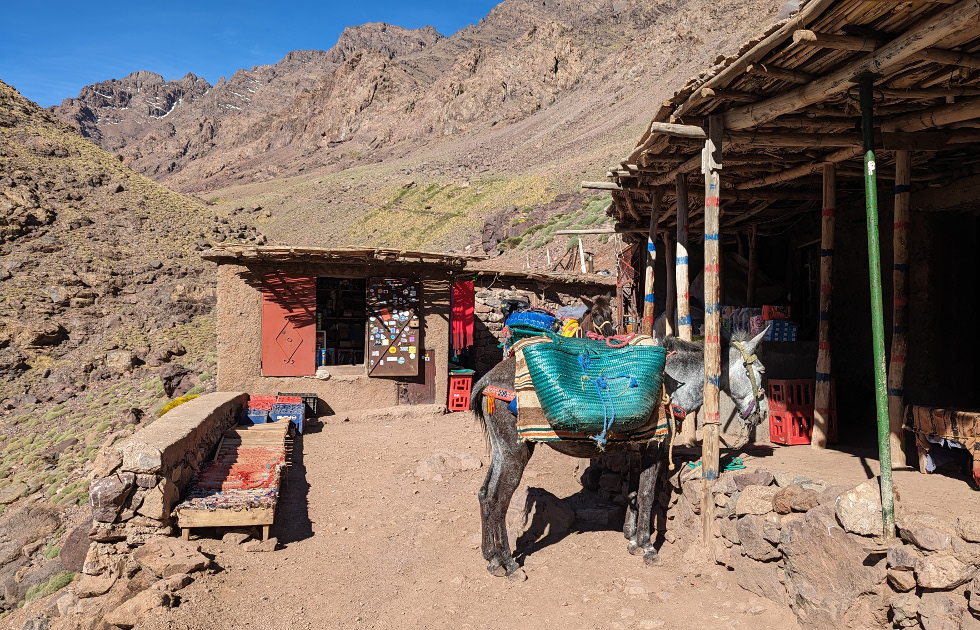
[{"x": 391, "y": 41}]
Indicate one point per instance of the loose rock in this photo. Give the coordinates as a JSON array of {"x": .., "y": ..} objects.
[
  {"x": 925, "y": 531},
  {"x": 131, "y": 612},
  {"x": 755, "y": 500},
  {"x": 942, "y": 572},
  {"x": 261, "y": 546},
  {"x": 168, "y": 556},
  {"x": 758, "y": 478},
  {"x": 901, "y": 580},
  {"x": 859, "y": 510},
  {"x": 754, "y": 544}
]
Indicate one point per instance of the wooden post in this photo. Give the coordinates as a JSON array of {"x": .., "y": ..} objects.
[
  {"x": 681, "y": 262},
  {"x": 649, "y": 298},
  {"x": 900, "y": 316},
  {"x": 581, "y": 254},
  {"x": 753, "y": 267},
  {"x": 821, "y": 397},
  {"x": 671, "y": 302},
  {"x": 711, "y": 167}
]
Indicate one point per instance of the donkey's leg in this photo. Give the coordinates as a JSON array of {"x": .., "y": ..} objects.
[
  {"x": 508, "y": 459},
  {"x": 633, "y": 464},
  {"x": 646, "y": 498}
]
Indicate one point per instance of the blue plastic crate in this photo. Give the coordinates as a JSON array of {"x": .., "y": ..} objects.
[
  {"x": 256, "y": 416},
  {"x": 294, "y": 413},
  {"x": 781, "y": 330}
]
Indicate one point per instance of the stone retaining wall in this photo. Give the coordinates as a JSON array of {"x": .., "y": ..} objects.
[
  {"x": 818, "y": 548},
  {"x": 137, "y": 482}
]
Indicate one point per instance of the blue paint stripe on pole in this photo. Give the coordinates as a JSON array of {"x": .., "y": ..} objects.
[
  {"x": 651, "y": 247},
  {"x": 713, "y": 379},
  {"x": 902, "y": 188},
  {"x": 896, "y": 392},
  {"x": 822, "y": 377},
  {"x": 711, "y": 236},
  {"x": 682, "y": 260},
  {"x": 684, "y": 321},
  {"x": 903, "y": 267},
  {"x": 712, "y": 307},
  {"x": 650, "y": 297},
  {"x": 899, "y": 330},
  {"x": 827, "y": 252},
  {"x": 710, "y": 475}
]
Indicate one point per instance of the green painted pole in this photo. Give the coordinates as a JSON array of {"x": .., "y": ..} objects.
[{"x": 877, "y": 314}]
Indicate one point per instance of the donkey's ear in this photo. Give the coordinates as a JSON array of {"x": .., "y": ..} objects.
[{"x": 753, "y": 343}]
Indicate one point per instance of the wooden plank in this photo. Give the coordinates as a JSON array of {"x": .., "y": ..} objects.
[
  {"x": 893, "y": 54},
  {"x": 733, "y": 96},
  {"x": 601, "y": 186},
  {"x": 649, "y": 293},
  {"x": 821, "y": 400},
  {"x": 900, "y": 316},
  {"x": 933, "y": 117},
  {"x": 949, "y": 57},
  {"x": 799, "y": 139},
  {"x": 681, "y": 131},
  {"x": 753, "y": 267},
  {"x": 800, "y": 171},
  {"x": 712, "y": 324},
  {"x": 224, "y": 518}
]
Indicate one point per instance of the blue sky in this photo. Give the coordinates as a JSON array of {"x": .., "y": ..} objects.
[{"x": 50, "y": 50}]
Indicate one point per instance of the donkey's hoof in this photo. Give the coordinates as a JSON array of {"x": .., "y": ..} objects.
[
  {"x": 517, "y": 575},
  {"x": 652, "y": 559},
  {"x": 634, "y": 549},
  {"x": 496, "y": 569}
]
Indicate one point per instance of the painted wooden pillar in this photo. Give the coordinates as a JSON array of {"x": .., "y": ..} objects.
[
  {"x": 681, "y": 263},
  {"x": 649, "y": 298},
  {"x": 900, "y": 314},
  {"x": 711, "y": 167},
  {"x": 753, "y": 267},
  {"x": 670, "y": 304},
  {"x": 821, "y": 396}
]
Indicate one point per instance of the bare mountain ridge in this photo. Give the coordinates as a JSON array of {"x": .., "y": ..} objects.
[{"x": 386, "y": 92}]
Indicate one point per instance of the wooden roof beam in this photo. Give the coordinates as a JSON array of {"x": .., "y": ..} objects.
[
  {"x": 839, "y": 42},
  {"x": 933, "y": 31},
  {"x": 802, "y": 170},
  {"x": 728, "y": 95},
  {"x": 934, "y": 117},
  {"x": 783, "y": 74},
  {"x": 949, "y": 57}
]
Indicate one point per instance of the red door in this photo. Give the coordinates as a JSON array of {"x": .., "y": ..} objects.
[{"x": 288, "y": 325}]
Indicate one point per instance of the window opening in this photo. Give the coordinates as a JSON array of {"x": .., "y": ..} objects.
[{"x": 341, "y": 315}]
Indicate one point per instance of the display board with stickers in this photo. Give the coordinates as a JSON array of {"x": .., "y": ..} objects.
[{"x": 394, "y": 327}]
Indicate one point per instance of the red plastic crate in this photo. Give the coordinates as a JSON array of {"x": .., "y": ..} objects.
[
  {"x": 792, "y": 427},
  {"x": 261, "y": 402},
  {"x": 459, "y": 392},
  {"x": 796, "y": 394},
  {"x": 289, "y": 400}
]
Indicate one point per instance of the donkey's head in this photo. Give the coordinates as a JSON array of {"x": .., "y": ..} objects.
[
  {"x": 745, "y": 374},
  {"x": 601, "y": 315}
]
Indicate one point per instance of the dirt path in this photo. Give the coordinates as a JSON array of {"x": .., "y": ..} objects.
[{"x": 379, "y": 548}]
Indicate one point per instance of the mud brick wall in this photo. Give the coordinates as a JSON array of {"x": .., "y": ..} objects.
[
  {"x": 138, "y": 481},
  {"x": 818, "y": 548},
  {"x": 492, "y": 292}
]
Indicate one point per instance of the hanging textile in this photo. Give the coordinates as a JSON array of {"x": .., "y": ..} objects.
[{"x": 463, "y": 303}]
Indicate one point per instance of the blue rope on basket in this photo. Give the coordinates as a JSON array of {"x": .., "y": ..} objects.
[{"x": 602, "y": 385}]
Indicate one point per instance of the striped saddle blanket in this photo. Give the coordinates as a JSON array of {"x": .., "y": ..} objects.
[{"x": 533, "y": 425}]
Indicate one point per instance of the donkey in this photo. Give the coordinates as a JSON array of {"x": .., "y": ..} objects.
[
  {"x": 599, "y": 319},
  {"x": 684, "y": 378}
]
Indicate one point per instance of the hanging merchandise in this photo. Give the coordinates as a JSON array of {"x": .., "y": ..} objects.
[
  {"x": 394, "y": 327},
  {"x": 463, "y": 303}
]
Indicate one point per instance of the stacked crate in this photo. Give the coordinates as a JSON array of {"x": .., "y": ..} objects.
[{"x": 791, "y": 411}]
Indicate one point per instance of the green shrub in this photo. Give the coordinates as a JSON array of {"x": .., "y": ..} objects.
[{"x": 53, "y": 585}]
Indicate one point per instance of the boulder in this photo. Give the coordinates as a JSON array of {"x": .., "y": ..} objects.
[
  {"x": 859, "y": 510},
  {"x": 763, "y": 579},
  {"x": 11, "y": 492},
  {"x": 160, "y": 500},
  {"x": 120, "y": 361},
  {"x": 781, "y": 501},
  {"x": 261, "y": 545},
  {"x": 174, "y": 583},
  {"x": 758, "y": 478},
  {"x": 535, "y": 514},
  {"x": 94, "y": 585},
  {"x": 755, "y": 500},
  {"x": 445, "y": 463},
  {"x": 108, "y": 494},
  {"x": 905, "y": 610},
  {"x": 169, "y": 556},
  {"x": 966, "y": 552},
  {"x": 902, "y": 580},
  {"x": 235, "y": 538},
  {"x": 771, "y": 526},
  {"x": 725, "y": 485},
  {"x": 75, "y": 546},
  {"x": 171, "y": 376},
  {"x": 903, "y": 557},
  {"x": 968, "y": 528},
  {"x": 826, "y": 571},
  {"x": 805, "y": 500},
  {"x": 131, "y": 612},
  {"x": 752, "y": 537},
  {"x": 106, "y": 463},
  {"x": 925, "y": 531},
  {"x": 941, "y": 611},
  {"x": 942, "y": 572}
]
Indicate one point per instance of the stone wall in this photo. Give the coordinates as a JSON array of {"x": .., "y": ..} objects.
[
  {"x": 137, "y": 482},
  {"x": 817, "y": 548},
  {"x": 492, "y": 292}
]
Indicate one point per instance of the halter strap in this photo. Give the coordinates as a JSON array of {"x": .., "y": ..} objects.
[{"x": 747, "y": 361}]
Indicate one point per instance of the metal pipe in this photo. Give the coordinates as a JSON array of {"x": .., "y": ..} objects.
[{"x": 877, "y": 311}]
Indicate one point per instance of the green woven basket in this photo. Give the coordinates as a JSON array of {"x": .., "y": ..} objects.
[{"x": 585, "y": 385}]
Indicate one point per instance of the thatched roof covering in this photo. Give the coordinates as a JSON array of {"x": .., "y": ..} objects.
[
  {"x": 789, "y": 104},
  {"x": 272, "y": 253}
]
